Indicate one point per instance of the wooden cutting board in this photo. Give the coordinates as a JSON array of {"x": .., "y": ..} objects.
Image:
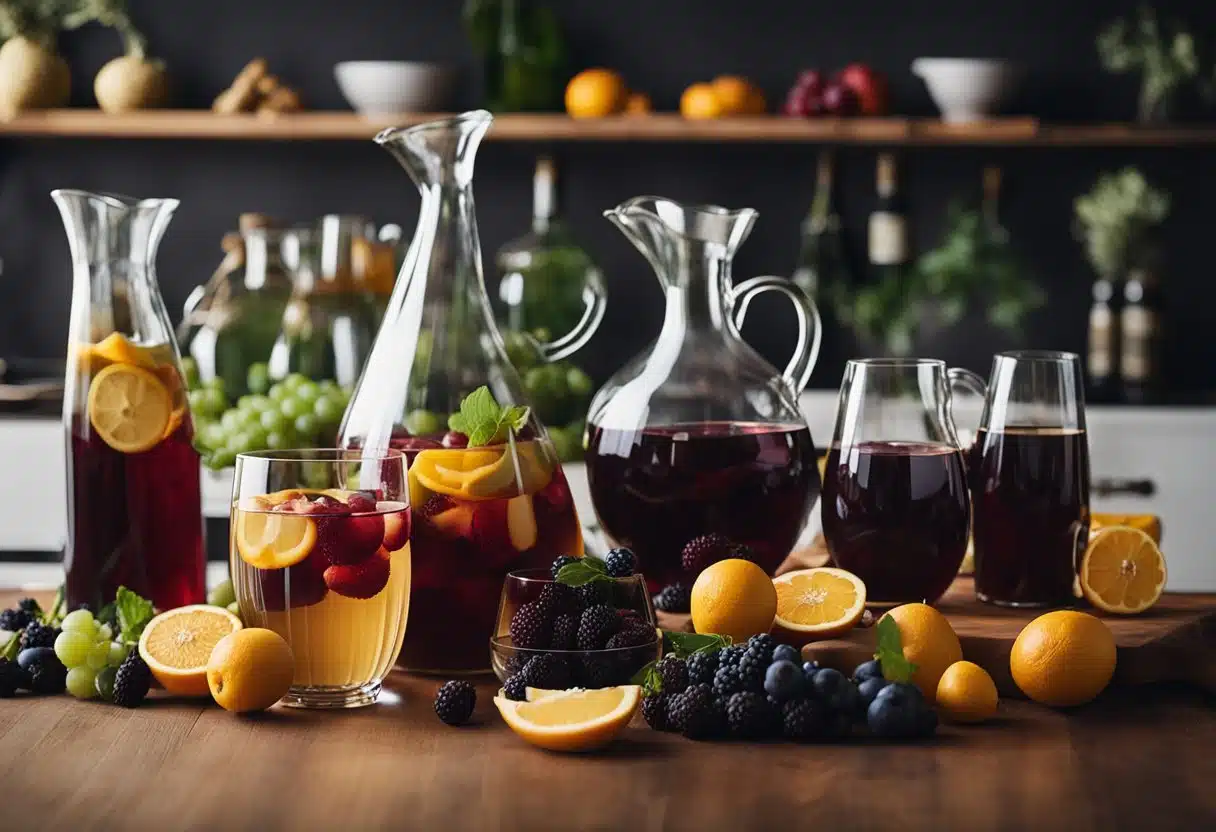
[{"x": 1175, "y": 641}]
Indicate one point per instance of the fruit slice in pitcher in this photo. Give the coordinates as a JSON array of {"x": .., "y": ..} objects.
[
  {"x": 482, "y": 473},
  {"x": 129, "y": 408}
]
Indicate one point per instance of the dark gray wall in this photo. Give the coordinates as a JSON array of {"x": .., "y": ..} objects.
[{"x": 661, "y": 46}]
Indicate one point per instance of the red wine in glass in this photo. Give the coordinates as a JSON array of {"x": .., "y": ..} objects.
[
  {"x": 897, "y": 514},
  {"x": 657, "y": 488}
]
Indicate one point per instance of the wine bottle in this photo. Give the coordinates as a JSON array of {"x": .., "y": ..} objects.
[
  {"x": 1101, "y": 361},
  {"x": 823, "y": 269},
  {"x": 888, "y": 233},
  {"x": 1140, "y": 331}
]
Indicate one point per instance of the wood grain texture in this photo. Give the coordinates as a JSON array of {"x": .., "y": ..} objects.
[{"x": 557, "y": 127}]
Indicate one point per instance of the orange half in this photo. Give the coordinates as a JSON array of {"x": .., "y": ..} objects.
[
  {"x": 817, "y": 603},
  {"x": 1123, "y": 570},
  {"x": 129, "y": 408},
  {"x": 177, "y": 646},
  {"x": 273, "y": 540}
]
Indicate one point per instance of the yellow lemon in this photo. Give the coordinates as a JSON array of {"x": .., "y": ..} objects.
[
  {"x": 817, "y": 604},
  {"x": 1063, "y": 658},
  {"x": 571, "y": 720},
  {"x": 595, "y": 93},
  {"x": 1122, "y": 571},
  {"x": 966, "y": 693},
  {"x": 929, "y": 642},
  {"x": 250, "y": 670},
  {"x": 129, "y": 408},
  {"x": 176, "y": 645},
  {"x": 733, "y": 598}
]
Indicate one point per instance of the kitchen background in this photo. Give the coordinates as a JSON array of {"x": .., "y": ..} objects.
[{"x": 660, "y": 47}]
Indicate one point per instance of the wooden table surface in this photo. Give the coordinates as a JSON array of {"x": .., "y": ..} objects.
[{"x": 1137, "y": 758}]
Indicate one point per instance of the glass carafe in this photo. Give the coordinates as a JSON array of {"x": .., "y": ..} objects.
[
  {"x": 134, "y": 514},
  {"x": 700, "y": 435},
  {"x": 484, "y": 502}
]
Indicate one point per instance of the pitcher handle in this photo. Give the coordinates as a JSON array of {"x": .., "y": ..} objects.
[
  {"x": 810, "y": 328},
  {"x": 957, "y": 376},
  {"x": 595, "y": 302}
]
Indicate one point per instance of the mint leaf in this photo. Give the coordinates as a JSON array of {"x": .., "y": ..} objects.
[
  {"x": 650, "y": 680},
  {"x": 684, "y": 645},
  {"x": 484, "y": 421},
  {"x": 457, "y": 423},
  {"x": 134, "y": 613},
  {"x": 509, "y": 420},
  {"x": 583, "y": 571},
  {"x": 890, "y": 654}
]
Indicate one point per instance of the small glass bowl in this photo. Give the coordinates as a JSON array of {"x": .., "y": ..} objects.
[{"x": 588, "y": 668}]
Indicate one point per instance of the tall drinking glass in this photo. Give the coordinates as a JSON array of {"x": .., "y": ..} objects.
[
  {"x": 320, "y": 554},
  {"x": 896, "y": 511},
  {"x": 1029, "y": 473}
]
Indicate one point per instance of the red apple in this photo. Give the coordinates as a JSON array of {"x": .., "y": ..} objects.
[{"x": 867, "y": 85}]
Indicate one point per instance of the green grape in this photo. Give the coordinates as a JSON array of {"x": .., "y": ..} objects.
[
  {"x": 278, "y": 392},
  {"x": 578, "y": 383},
  {"x": 292, "y": 407},
  {"x": 277, "y": 441},
  {"x": 234, "y": 608},
  {"x": 72, "y": 647},
  {"x": 212, "y": 402},
  {"x": 307, "y": 391},
  {"x": 80, "y": 621},
  {"x": 195, "y": 398},
  {"x": 99, "y": 655},
  {"x": 257, "y": 378},
  {"x": 105, "y": 632},
  {"x": 306, "y": 425},
  {"x": 240, "y": 442},
  {"x": 245, "y": 402},
  {"x": 262, "y": 403},
  {"x": 215, "y": 383},
  {"x": 213, "y": 435},
  {"x": 423, "y": 423},
  {"x": 293, "y": 381},
  {"x": 118, "y": 653},
  {"x": 328, "y": 386},
  {"x": 542, "y": 334},
  {"x": 251, "y": 419},
  {"x": 104, "y": 683},
  {"x": 232, "y": 420},
  {"x": 555, "y": 378},
  {"x": 273, "y": 420},
  {"x": 190, "y": 373},
  {"x": 221, "y": 459},
  {"x": 256, "y": 437},
  {"x": 222, "y": 594},
  {"x": 81, "y": 682},
  {"x": 327, "y": 410}
]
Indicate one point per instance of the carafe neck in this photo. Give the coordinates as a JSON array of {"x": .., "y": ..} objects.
[{"x": 696, "y": 288}]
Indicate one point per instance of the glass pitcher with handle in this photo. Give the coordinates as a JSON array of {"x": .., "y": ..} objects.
[{"x": 698, "y": 444}]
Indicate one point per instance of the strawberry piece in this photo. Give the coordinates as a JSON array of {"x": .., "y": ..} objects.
[
  {"x": 351, "y": 538},
  {"x": 396, "y": 526},
  {"x": 360, "y": 580},
  {"x": 301, "y": 585}
]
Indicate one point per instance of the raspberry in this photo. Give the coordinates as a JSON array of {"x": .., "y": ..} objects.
[
  {"x": 530, "y": 626},
  {"x": 620, "y": 563},
  {"x": 132, "y": 681},
  {"x": 654, "y": 711},
  {"x": 562, "y": 560},
  {"x": 673, "y": 598},
  {"x": 673, "y": 673},
  {"x": 597, "y": 624},
  {"x": 706, "y": 550},
  {"x": 701, "y": 667},
  {"x": 454, "y": 702},
  {"x": 565, "y": 633}
]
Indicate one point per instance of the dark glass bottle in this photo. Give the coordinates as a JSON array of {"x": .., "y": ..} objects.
[
  {"x": 522, "y": 51},
  {"x": 1102, "y": 358},
  {"x": 1140, "y": 332},
  {"x": 823, "y": 269}
]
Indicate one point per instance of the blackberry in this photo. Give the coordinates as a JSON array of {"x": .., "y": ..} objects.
[
  {"x": 14, "y": 620},
  {"x": 530, "y": 626},
  {"x": 803, "y": 719},
  {"x": 731, "y": 655},
  {"x": 548, "y": 671},
  {"x": 704, "y": 551},
  {"x": 515, "y": 688},
  {"x": 597, "y": 624},
  {"x": 30, "y": 607},
  {"x": 132, "y": 681},
  {"x": 12, "y": 678},
  {"x": 752, "y": 668},
  {"x": 748, "y": 715},
  {"x": 454, "y": 702},
  {"x": 591, "y": 594},
  {"x": 728, "y": 681},
  {"x": 695, "y": 714},
  {"x": 701, "y": 667},
  {"x": 762, "y": 646},
  {"x": 37, "y": 634},
  {"x": 565, "y": 632},
  {"x": 557, "y": 599},
  {"x": 742, "y": 551},
  {"x": 48, "y": 675},
  {"x": 673, "y": 598},
  {"x": 632, "y": 634},
  {"x": 562, "y": 560},
  {"x": 601, "y": 671},
  {"x": 654, "y": 711},
  {"x": 673, "y": 672},
  {"x": 620, "y": 562},
  {"x": 515, "y": 663}
]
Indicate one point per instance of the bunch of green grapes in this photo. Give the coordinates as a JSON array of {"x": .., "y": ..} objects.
[
  {"x": 293, "y": 413},
  {"x": 560, "y": 392},
  {"x": 88, "y": 650}
]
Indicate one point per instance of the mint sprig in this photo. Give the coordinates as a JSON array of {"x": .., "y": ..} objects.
[
  {"x": 583, "y": 571},
  {"x": 484, "y": 421},
  {"x": 890, "y": 653},
  {"x": 133, "y": 614},
  {"x": 681, "y": 645}
]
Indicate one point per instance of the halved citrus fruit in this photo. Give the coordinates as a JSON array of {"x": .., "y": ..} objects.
[
  {"x": 572, "y": 720},
  {"x": 1150, "y": 524},
  {"x": 1122, "y": 571},
  {"x": 176, "y": 645},
  {"x": 274, "y": 540},
  {"x": 129, "y": 408},
  {"x": 817, "y": 603},
  {"x": 117, "y": 348}
]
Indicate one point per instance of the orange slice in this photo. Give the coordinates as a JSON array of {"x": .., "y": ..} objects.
[
  {"x": 572, "y": 720},
  {"x": 116, "y": 348},
  {"x": 273, "y": 540},
  {"x": 1150, "y": 524},
  {"x": 177, "y": 646},
  {"x": 817, "y": 603},
  {"x": 1123, "y": 571},
  {"x": 481, "y": 473},
  {"x": 129, "y": 408}
]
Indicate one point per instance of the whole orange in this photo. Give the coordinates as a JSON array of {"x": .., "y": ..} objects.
[
  {"x": 734, "y": 94},
  {"x": 595, "y": 93},
  {"x": 1063, "y": 658},
  {"x": 735, "y": 598},
  {"x": 929, "y": 642},
  {"x": 250, "y": 670},
  {"x": 700, "y": 101}
]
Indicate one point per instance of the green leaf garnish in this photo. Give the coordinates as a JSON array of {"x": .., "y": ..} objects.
[
  {"x": 484, "y": 421},
  {"x": 134, "y": 613},
  {"x": 681, "y": 645},
  {"x": 11, "y": 647},
  {"x": 890, "y": 654},
  {"x": 583, "y": 571}
]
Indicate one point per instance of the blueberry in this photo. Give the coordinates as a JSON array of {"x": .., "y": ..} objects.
[
  {"x": 835, "y": 690},
  {"x": 867, "y": 670},
  {"x": 809, "y": 669},
  {"x": 786, "y": 653},
  {"x": 900, "y": 712},
  {"x": 31, "y": 656},
  {"x": 869, "y": 689},
  {"x": 783, "y": 680}
]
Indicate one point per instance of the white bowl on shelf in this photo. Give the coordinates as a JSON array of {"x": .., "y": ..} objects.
[
  {"x": 967, "y": 89},
  {"x": 381, "y": 88}
]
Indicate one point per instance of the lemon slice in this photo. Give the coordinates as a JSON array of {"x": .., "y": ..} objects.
[
  {"x": 1122, "y": 571},
  {"x": 116, "y": 348},
  {"x": 1150, "y": 524},
  {"x": 129, "y": 408},
  {"x": 481, "y": 473},
  {"x": 573, "y": 720},
  {"x": 274, "y": 540},
  {"x": 176, "y": 645},
  {"x": 818, "y": 603}
]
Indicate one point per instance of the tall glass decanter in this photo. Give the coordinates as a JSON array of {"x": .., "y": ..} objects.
[
  {"x": 699, "y": 435},
  {"x": 134, "y": 510},
  {"x": 486, "y": 490}
]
